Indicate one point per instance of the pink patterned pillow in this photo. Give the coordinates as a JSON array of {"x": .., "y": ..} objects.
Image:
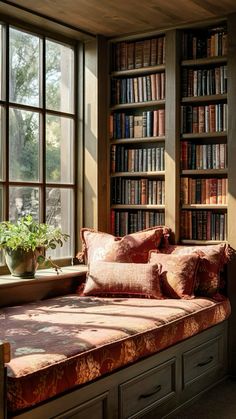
[
  {"x": 130, "y": 248},
  {"x": 123, "y": 279},
  {"x": 212, "y": 259},
  {"x": 178, "y": 273}
]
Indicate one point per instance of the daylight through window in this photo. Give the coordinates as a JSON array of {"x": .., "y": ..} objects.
[{"x": 37, "y": 130}]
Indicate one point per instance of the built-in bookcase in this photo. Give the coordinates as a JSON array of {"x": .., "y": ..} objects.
[
  {"x": 204, "y": 124},
  {"x": 137, "y": 134},
  {"x": 168, "y": 125},
  {"x": 200, "y": 81}
]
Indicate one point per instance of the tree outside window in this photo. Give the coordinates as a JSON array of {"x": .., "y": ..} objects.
[{"x": 37, "y": 130}]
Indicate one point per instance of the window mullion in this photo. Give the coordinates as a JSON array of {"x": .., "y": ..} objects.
[
  {"x": 7, "y": 66},
  {"x": 43, "y": 134}
]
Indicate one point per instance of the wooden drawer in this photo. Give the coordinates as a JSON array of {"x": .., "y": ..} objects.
[
  {"x": 199, "y": 361},
  {"x": 94, "y": 408},
  {"x": 145, "y": 391}
]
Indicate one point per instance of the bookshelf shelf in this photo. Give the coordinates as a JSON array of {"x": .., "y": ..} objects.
[
  {"x": 193, "y": 136},
  {"x": 204, "y": 172},
  {"x": 138, "y": 174},
  {"x": 209, "y": 98},
  {"x": 204, "y": 206},
  {"x": 139, "y": 207},
  {"x": 139, "y": 71},
  {"x": 138, "y": 140},
  {"x": 151, "y": 103},
  {"x": 204, "y": 61}
]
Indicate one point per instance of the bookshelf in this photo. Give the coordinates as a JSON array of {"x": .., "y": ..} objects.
[
  {"x": 175, "y": 105},
  {"x": 203, "y": 139},
  {"x": 174, "y": 140},
  {"x": 137, "y": 134}
]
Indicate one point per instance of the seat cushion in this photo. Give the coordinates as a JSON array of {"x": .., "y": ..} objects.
[{"x": 60, "y": 343}]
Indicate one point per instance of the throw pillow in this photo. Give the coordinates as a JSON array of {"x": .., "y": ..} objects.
[
  {"x": 123, "y": 279},
  {"x": 212, "y": 260},
  {"x": 130, "y": 248},
  {"x": 178, "y": 274}
]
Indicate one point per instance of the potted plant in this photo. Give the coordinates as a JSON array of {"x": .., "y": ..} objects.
[{"x": 24, "y": 244}]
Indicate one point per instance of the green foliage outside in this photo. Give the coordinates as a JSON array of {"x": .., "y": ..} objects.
[{"x": 24, "y": 125}]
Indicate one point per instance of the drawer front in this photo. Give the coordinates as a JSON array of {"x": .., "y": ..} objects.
[
  {"x": 147, "y": 390},
  {"x": 94, "y": 408},
  {"x": 201, "y": 360}
]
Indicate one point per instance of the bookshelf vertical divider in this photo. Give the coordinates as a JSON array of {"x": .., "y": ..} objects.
[{"x": 172, "y": 143}]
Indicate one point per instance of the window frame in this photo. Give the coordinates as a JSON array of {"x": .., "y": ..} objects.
[{"x": 42, "y": 111}]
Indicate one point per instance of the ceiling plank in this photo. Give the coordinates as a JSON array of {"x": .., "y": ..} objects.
[{"x": 123, "y": 17}]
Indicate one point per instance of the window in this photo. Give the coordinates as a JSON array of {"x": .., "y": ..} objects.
[{"x": 37, "y": 131}]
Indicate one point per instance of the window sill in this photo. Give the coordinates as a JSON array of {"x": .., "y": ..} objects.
[{"x": 46, "y": 284}]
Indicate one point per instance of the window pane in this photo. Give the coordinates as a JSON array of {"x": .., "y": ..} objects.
[
  {"x": 23, "y": 145},
  {"x": 24, "y": 68},
  {"x": 2, "y": 83},
  {"x": 23, "y": 200},
  {"x": 60, "y": 212},
  {"x": 59, "y": 149},
  {"x": 2, "y": 143},
  {"x": 59, "y": 77}
]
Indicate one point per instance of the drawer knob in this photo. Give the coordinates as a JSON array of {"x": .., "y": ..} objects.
[
  {"x": 208, "y": 361},
  {"x": 155, "y": 390}
]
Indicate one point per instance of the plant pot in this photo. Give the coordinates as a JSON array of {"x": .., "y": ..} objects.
[{"x": 22, "y": 263}]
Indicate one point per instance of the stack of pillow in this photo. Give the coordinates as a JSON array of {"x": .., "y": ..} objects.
[{"x": 144, "y": 264}]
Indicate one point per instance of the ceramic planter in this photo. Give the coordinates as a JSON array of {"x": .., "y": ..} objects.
[{"x": 22, "y": 263}]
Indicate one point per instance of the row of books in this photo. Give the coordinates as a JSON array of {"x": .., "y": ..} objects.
[
  {"x": 203, "y": 156},
  {"x": 203, "y": 191},
  {"x": 138, "y": 89},
  {"x": 205, "y": 118},
  {"x": 126, "y": 222},
  {"x": 211, "y": 43},
  {"x": 138, "y": 54},
  {"x": 200, "y": 82},
  {"x": 148, "y": 124},
  {"x": 137, "y": 191},
  {"x": 203, "y": 225},
  {"x": 137, "y": 160}
]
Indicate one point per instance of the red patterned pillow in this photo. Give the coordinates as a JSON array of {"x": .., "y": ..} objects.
[
  {"x": 130, "y": 248},
  {"x": 212, "y": 259},
  {"x": 178, "y": 273},
  {"x": 123, "y": 279}
]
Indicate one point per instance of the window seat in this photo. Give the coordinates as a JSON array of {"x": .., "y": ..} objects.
[{"x": 61, "y": 343}]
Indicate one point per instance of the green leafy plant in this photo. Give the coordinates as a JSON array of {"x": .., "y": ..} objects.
[{"x": 29, "y": 235}]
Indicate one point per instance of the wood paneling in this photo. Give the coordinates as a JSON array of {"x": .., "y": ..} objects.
[
  {"x": 114, "y": 18},
  {"x": 232, "y": 185}
]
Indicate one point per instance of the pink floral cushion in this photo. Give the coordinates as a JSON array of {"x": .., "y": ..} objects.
[
  {"x": 123, "y": 279},
  {"x": 130, "y": 248},
  {"x": 61, "y": 343},
  {"x": 212, "y": 260},
  {"x": 178, "y": 274}
]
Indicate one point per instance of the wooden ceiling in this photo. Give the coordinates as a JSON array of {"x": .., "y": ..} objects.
[{"x": 121, "y": 17}]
